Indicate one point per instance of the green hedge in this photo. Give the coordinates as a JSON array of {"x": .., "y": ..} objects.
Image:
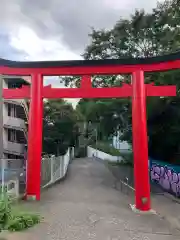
[{"x": 105, "y": 147}]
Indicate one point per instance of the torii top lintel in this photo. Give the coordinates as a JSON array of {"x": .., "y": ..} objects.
[{"x": 91, "y": 67}]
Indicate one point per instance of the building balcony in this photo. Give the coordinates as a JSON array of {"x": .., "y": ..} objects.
[
  {"x": 21, "y": 102},
  {"x": 14, "y": 123},
  {"x": 14, "y": 148}
]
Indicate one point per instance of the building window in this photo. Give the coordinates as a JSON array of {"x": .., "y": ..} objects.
[
  {"x": 9, "y": 110},
  {"x": 12, "y": 135},
  {"x": 14, "y": 84},
  {"x": 13, "y": 156},
  {"x": 12, "y": 110},
  {"x": 16, "y": 136}
]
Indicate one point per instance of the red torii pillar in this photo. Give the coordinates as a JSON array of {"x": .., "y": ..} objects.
[
  {"x": 140, "y": 142},
  {"x": 138, "y": 91},
  {"x": 33, "y": 187}
]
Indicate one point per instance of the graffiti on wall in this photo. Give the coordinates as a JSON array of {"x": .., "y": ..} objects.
[{"x": 167, "y": 178}]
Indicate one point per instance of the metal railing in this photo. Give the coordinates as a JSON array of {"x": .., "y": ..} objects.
[
  {"x": 55, "y": 168},
  {"x": 13, "y": 173},
  {"x": 13, "y": 177},
  {"x": 126, "y": 188}
]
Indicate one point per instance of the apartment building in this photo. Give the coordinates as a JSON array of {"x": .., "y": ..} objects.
[{"x": 15, "y": 120}]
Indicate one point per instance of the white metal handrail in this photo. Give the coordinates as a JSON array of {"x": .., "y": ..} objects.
[{"x": 55, "y": 168}]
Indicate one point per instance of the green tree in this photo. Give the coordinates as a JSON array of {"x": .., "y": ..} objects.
[
  {"x": 106, "y": 115},
  {"x": 60, "y": 126},
  {"x": 142, "y": 35}
]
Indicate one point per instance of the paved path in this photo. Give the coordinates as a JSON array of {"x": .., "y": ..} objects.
[{"x": 86, "y": 206}]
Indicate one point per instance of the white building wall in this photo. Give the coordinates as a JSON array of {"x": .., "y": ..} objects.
[{"x": 12, "y": 122}]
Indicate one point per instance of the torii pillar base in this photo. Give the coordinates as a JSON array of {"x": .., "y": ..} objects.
[{"x": 135, "y": 210}]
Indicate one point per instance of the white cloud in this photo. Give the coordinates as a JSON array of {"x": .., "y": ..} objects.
[
  {"x": 25, "y": 39},
  {"x": 57, "y": 30},
  {"x": 65, "y": 19}
]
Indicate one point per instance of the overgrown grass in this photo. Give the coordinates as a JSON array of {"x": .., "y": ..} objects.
[
  {"x": 106, "y": 148},
  {"x": 14, "y": 220},
  {"x": 22, "y": 220},
  {"x": 127, "y": 160},
  {"x": 119, "y": 163}
]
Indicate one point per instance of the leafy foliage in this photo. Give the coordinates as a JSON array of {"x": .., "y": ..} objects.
[
  {"x": 106, "y": 115},
  {"x": 60, "y": 126},
  {"x": 5, "y": 211},
  {"x": 142, "y": 35},
  {"x": 15, "y": 221},
  {"x": 127, "y": 158},
  {"x": 105, "y": 147},
  {"x": 22, "y": 221}
]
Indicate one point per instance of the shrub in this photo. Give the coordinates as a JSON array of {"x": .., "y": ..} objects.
[
  {"x": 128, "y": 158},
  {"x": 5, "y": 211},
  {"x": 22, "y": 221},
  {"x": 12, "y": 221},
  {"x": 105, "y": 147}
]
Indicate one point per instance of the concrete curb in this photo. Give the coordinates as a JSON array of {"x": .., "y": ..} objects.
[{"x": 173, "y": 198}]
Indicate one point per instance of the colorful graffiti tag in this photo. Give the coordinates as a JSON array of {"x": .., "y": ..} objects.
[{"x": 166, "y": 177}]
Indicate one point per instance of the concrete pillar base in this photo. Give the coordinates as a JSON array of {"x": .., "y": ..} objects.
[
  {"x": 134, "y": 209},
  {"x": 31, "y": 197}
]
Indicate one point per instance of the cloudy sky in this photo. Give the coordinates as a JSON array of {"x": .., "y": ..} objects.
[{"x": 57, "y": 29}]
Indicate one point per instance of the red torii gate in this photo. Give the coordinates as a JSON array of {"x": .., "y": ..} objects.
[{"x": 137, "y": 90}]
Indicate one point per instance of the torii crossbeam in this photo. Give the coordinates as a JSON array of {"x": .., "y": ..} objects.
[
  {"x": 137, "y": 90},
  {"x": 113, "y": 92}
]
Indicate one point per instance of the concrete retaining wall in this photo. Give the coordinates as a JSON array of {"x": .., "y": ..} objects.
[{"x": 92, "y": 152}]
